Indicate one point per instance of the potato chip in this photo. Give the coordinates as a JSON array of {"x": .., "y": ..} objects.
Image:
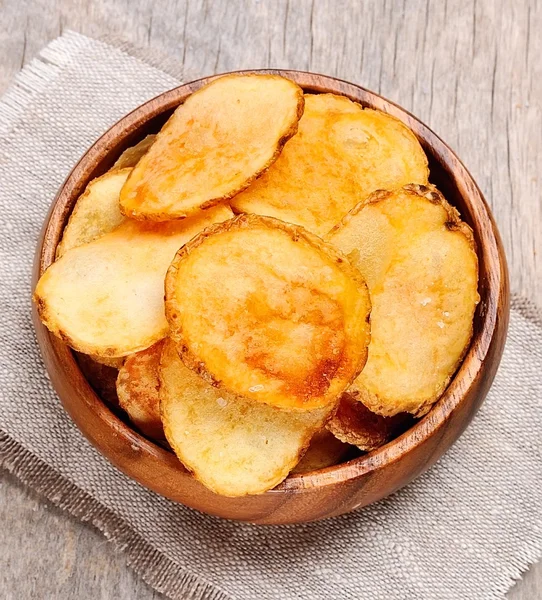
[
  {"x": 325, "y": 451},
  {"x": 107, "y": 297},
  {"x": 138, "y": 387},
  {"x": 267, "y": 310},
  {"x": 233, "y": 445},
  {"x": 101, "y": 377},
  {"x": 341, "y": 154},
  {"x": 131, "y": 156},
  {"x": 419, "y": 261},
  {"x": 96, "y": 211},
  {"x": 214, "y": 145},
  {"x": 355, "y": 424}
]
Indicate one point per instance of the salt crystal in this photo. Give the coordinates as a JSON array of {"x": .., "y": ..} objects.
[
  {"x": 256, "y": 388},
  {"x": 221, "y": 402},
  {"x": 425, "y": 301},
  {"x": 440, "y": 324}
]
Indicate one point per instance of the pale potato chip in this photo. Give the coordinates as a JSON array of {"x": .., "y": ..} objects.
[
  {"x": 324, "y": 451},
  {"x": 131, "y": 156},
  {"x": 96, "y": 211},
  {"x": 138, "y": 385},
  {"x": 235, "y": 446},
  {"x": 355, "y": 424},
  {"x": 419, "y": 261},
  {"x": 217, "y": 142},
  {"x": 340, "y": 155},
  {"x": 107, "y": 297},
  {"x": 267, "y": 310}
]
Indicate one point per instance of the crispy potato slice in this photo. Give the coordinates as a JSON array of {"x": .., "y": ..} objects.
[
  {"x": 107, "y": 297},
  {"x": 138, "y": 385},
  {"x": 341, "y": 154},
  {"x": 419, "y": 261},
  {"x": 101, "y": 377},
  {"x": 355, "y": 424},
  {"x": 218, "y": 141},
  {"x": 96, "y": 211},
  {"x": 325, "y": 451},
  {"x": 267, "y": 310},
  {"x": 233, "y": 445},
  {"x": 131, "y": 156}
]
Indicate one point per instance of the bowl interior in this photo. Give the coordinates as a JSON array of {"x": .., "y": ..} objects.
[{"x": 446, "y": 171}]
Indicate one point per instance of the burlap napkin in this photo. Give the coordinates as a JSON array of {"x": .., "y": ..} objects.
[{"x": 464, "y": 530}]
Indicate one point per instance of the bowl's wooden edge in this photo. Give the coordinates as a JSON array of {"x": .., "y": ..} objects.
[{"x": 475, "y": 374}]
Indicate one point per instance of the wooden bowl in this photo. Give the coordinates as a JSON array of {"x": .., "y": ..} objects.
[{"x": 330, "y": 491}]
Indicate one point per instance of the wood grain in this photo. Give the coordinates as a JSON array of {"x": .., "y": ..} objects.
[
  {"x": 53, "y": 556},
  {"x": 470, "y": 69}
]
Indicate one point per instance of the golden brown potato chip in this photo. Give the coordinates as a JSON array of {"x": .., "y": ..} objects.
[
  {"x": 235, "y": 446},
  {"x": 419, "y": 261},
  {"x": 96, "y": 211},
  {"x": 213, "y": 146},
  {"x": 341, "y": 154},
  {"x": 138, "y": 385},
  {"x": 107, "y": 297},
  {"x": 131, "y": 156},
  {"x": 355, "y": 424},
  {"x": 101, "y": 377},
  {"x": 267, "y": 310},
  {"x": 325, "y": 451}
]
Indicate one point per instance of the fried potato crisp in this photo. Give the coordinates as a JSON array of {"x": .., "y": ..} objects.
[
  {"x": 96, "y": 211},
  {"x": 266, "y": 310},
  {"x": 214, "y": 145},
  {"x": 355, "y": 424},
  {"x": 419, "y": 261},
  {"x": 131, "y": 156},
  {"x": 233, "y": 445},
  {"x": 340, "y": 155},
  {"x": 138, "y": 385},
  {"x": 325, "y": 451},
  {"x": 107, "y": 297}
]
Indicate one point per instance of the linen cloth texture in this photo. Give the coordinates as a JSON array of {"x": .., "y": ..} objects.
[{"x": 465, "y": 530}]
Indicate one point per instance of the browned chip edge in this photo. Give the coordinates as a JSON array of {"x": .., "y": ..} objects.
[{"x": 347, "y": 426}]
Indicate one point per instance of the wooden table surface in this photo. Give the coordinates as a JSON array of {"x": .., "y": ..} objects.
[{"x": 471, "y": 69}]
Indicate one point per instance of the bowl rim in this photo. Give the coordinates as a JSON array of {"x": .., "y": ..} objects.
[{"x": 469, "y": 369}]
